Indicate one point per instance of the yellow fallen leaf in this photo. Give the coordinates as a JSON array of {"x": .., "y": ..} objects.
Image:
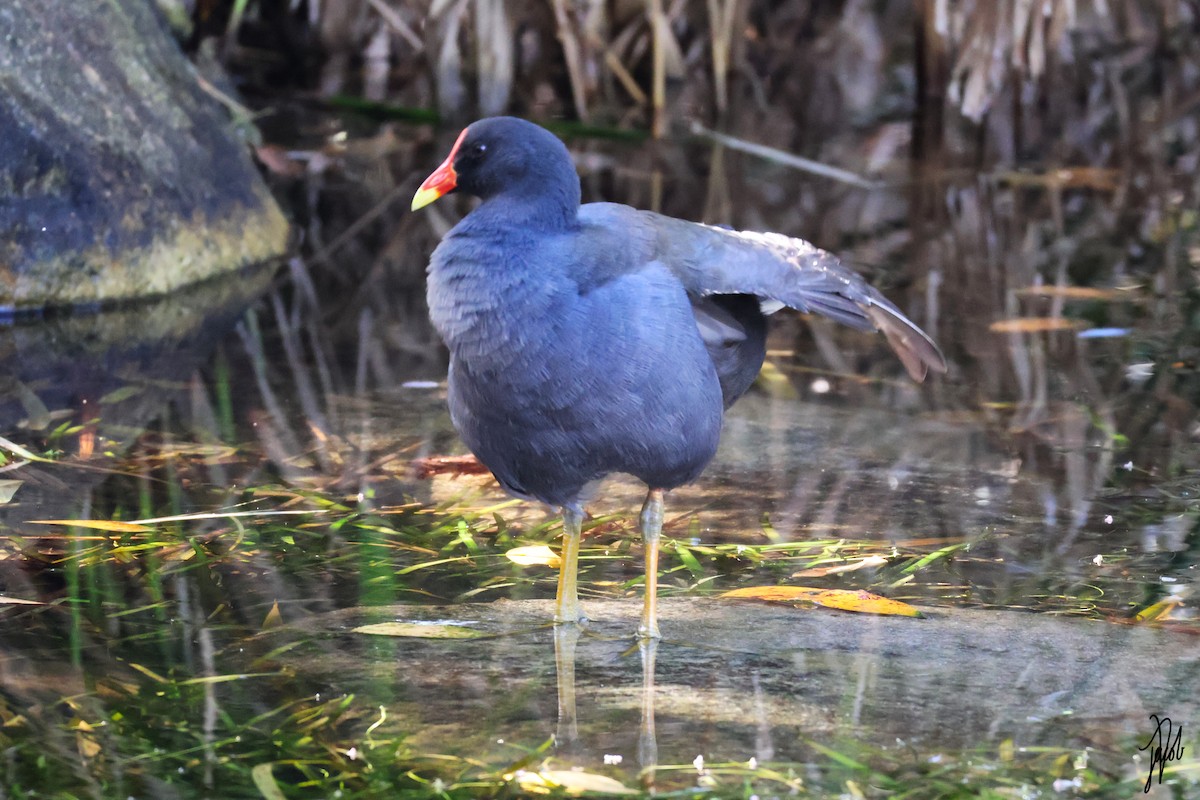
[
  {"x": 533, "y": 555},
  {"x": 570, "y": 781},
  {"x": 418, "y": 630},
  {"x": 1035, "y": 325},
  {"x": 88, "y": 746},
  {"x": 18, "y": 601},
  {"x": 1160, "y": 610},
  {"x": 842, "y": 599},
  {"x": 776, "y": 384},
  {"x": 149, "y": 673},
  {"x": 184, "y": 552},
  {"x": 273, "y": 619},
  {"x": 111, "y": 525}
]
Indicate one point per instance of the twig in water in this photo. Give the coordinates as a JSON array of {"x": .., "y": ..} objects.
[
  {"x": 784, "y": 157},
  {"x": 397, "y": 23}
]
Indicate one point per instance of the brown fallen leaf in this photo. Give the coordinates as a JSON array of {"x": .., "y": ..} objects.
[
  {"x": 842, "y": 599},
  {"x": 1098, "y": 178},
  {"x": 1070, "y": 292},
  {"x": 448, "y": 465},
  {"x": 277, "y": 160}
]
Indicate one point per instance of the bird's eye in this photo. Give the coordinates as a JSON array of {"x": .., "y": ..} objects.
[{"x": 478, "y": 149}]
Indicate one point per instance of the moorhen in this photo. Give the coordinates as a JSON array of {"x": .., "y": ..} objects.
[{"x": 591, "y": 339}]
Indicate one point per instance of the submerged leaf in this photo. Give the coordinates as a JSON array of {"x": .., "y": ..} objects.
[
  {"x": 842, "y": 599},
  {"x": 111, "y": 525},
  {"x": 418, "y": 630},
  {"x": 533, "y": 555},
  {"x": 862, "y": 563},
  {"x": 264, "y": 781},
  {"x": 227, "y": 678},
  {"x": 8, "y": 489},
  {"x": 689, "y": 560},
  {"x": 571, "y": 782},
  {"x": 124, "y": 393},
  {"x": 38, "y": 417}
]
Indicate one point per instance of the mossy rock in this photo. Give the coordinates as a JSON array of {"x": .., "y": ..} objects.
[{"x": 120, "y": 176}]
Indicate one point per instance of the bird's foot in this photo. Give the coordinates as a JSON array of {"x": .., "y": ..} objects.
[
  {"x": 570, "y": 618},
  {"x": 650, "y": 631}
]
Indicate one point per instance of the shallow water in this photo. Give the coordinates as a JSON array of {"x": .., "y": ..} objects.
[{"x": 1032, "y": 502}]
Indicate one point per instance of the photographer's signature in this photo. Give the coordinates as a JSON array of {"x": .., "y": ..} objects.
[{"x": 1165, "y": 744}]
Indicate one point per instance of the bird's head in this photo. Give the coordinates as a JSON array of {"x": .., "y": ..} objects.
[{"x": 500, "y": 155}]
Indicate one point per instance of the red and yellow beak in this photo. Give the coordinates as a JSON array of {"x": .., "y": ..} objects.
[{"x": 442, "y": 180}]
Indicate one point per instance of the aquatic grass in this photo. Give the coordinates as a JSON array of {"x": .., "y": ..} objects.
[{"x": 456, "y": 553}]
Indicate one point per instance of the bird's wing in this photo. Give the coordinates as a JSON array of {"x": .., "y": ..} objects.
[{"x": 711, "y": 260}]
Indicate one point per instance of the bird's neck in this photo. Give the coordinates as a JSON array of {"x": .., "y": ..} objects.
[{"x": 544, "y": 205}]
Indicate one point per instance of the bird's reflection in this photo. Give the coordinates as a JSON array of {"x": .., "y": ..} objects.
[
  {"x": 647, "y": 744},
  {"x": 566, "y": 637}
]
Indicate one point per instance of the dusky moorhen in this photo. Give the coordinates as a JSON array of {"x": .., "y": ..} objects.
[{"x": 591, "y": 339}]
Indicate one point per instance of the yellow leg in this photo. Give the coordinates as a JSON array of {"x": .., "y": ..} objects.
[
  {"x": 566, "y": 603},
  {"x": 652, "y": 522}
]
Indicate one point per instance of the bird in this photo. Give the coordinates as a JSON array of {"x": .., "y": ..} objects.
[{"x": 592, "y": 339}]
